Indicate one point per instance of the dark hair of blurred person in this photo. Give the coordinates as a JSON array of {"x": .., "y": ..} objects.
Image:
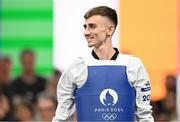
[
  {"x": 23, "y": 110},
  {"x": 28, "y": 84},
  {"x": 46, "y": 105},
  {"x": 5, "y": 113}
]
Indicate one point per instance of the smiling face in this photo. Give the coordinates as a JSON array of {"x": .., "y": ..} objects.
[{"x": 97, "y": 30}]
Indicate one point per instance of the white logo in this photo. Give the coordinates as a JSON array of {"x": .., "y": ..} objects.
[
  {"x": 108, "y": 97},
  {"x": 109, "y": 116}
]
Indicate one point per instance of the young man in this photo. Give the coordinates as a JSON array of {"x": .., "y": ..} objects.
[{"x": 107, "y": 86}]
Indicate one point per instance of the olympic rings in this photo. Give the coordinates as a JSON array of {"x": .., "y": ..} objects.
[{"x": 109, "y": 116}]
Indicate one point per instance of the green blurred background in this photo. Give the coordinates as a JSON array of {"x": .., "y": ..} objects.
[{"x": 27, "y": 24}]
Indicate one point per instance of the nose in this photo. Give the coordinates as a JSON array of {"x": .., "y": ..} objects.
[{"x": 87, "y": 32}]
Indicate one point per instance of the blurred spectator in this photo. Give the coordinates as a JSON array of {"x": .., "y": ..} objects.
[
  {"x": 170, "y": 101},
  {"x": 23, "y": 110},
  {"x": 5, "y": 80},
  {"x": 165, "y": 110},
  {"x": 158, "y": 111},
  {"x": 5, "y": 114},
  {"x": 46, "y": 106},
  {"x": 28, "y": 84},
  {"x": 52, "y": 83},
  {"x": 5, "y": 76}
]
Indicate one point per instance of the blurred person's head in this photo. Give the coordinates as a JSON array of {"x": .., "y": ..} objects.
[
  {"x": 171, "y": 83},
  {"x": 57, "y": 74},
  {"x": 54, "y": 79},
  {"x": 23, "y": 110},
  {"x": 27, "y": 60},
  {"x": 46, "y": 106},
  {"x": 5, "y": 68},
  {"x": 52, "y": 82}
]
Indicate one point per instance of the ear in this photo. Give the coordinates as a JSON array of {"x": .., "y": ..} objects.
[{"x": 111, "y": 30}]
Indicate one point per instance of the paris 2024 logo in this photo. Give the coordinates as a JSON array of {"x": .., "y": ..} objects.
[{"x": 108, "y": 97}]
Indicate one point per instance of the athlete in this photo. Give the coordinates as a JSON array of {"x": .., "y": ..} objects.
[{"x": 107, "y": 85}]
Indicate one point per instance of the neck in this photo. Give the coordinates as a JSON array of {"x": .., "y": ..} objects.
[{"x": 105, "y": 52}]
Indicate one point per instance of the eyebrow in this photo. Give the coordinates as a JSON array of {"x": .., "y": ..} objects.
[{"x": 89, "y": 24}]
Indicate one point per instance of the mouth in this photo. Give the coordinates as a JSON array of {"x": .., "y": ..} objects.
[{"x": 89, "y": 38}]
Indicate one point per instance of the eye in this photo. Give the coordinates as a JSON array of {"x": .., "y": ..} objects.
[{"x": 92, "y": 26}]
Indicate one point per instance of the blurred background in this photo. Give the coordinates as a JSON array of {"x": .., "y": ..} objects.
[{"x": 40, "y": 38}]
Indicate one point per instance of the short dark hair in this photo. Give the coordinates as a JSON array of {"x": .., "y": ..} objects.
[
  {"x": 5, "y": 58},
  {"x": 103, "y": 11},
  {"x": 26, "y": 51}
]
